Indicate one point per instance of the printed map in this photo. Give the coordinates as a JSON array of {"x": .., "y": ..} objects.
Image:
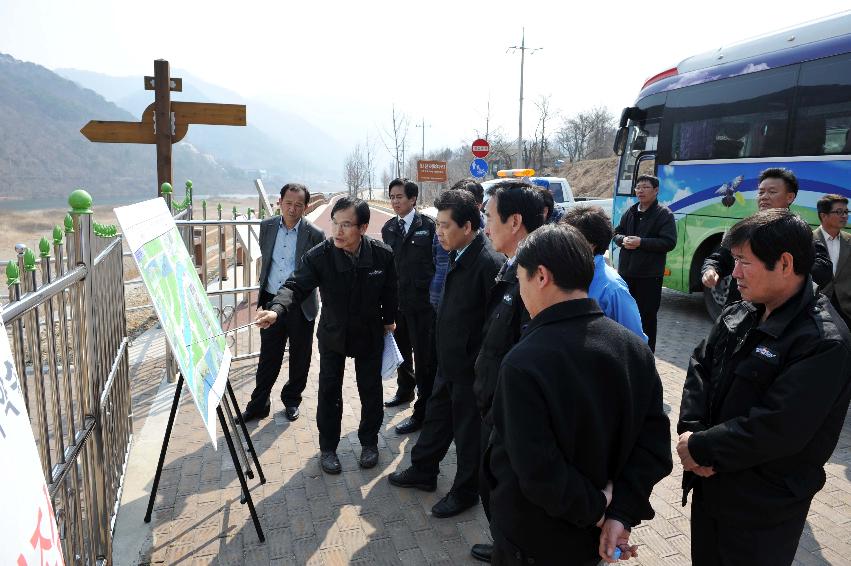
[{"x": 186, "y": 315}]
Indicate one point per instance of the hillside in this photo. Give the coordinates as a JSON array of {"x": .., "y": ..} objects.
[
  {"x": 42, "y": 152},
  {"x": 275, "y": 140},
  {"x": 592, "y": 177}
]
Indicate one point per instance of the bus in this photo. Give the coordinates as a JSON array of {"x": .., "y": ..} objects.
[{"x": 707, "y": 128}]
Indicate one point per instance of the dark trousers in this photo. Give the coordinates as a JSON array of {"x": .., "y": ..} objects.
[
  {"x": 484, "y": 485},
  {"x": 647, "y": 292},
  {"x": 299, "y": 331},
  {"x": 329, "y": 413},
  {"x": 413, "y": 333},
  {"x": 451, "y": 414},
  {"x": 714, "y": 543}
]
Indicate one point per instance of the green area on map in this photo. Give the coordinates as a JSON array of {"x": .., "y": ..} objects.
[{"x": 185, "y": 312}]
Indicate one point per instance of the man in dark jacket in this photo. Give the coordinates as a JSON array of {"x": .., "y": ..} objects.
[
  {"x": 410, "y": 236},
  {"x": 451, "y": 412},
  {"x": 357, "y": 279},
  {"x": 514, "y": 209},
  {"x": 764, "y": 400},
  {"x": 580, "y": 436},
  {"x": 284, "y": 240},
  {"x": 646, "y": 233},
  {"x": 778, "y": 188}
]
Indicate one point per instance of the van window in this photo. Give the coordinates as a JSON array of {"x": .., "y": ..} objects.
[{"x": 557, "y": 191}]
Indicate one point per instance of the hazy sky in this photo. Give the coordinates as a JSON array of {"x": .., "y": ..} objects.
[{"x": 342, "y": 65}]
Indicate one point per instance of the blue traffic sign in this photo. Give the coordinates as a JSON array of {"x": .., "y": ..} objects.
[{"x": 478, "y": 167}]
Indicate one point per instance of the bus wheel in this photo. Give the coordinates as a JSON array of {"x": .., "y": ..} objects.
[{"x": 716, "y": 297}]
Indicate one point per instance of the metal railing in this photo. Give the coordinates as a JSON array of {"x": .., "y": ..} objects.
[{"x": 69, "y": 342}]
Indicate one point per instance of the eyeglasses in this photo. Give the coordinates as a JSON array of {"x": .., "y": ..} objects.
[
  {"x": 840, "y": 212},
  {"x": 346, "y": 226}
]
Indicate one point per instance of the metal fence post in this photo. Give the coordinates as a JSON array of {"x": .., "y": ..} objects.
[{"x": 81, "y": 214}]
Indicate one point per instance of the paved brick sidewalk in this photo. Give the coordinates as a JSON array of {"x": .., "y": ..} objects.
[{"x": 357, "y": 517}]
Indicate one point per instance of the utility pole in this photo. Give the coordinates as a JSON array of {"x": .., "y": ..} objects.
[
  {"x": 523, "y": 49},
  {"x": 423, "y": 126}
]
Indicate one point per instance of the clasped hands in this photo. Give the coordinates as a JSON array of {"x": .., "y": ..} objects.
[
  {"x": 631, "y": 242},
  {"x": 688, "y": 462},
  {"x": 614, "y": 534}
]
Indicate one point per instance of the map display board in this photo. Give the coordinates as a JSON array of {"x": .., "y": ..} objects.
[
  {"x": 191, "y": 326},
  {"x": 28, "y": 531}
]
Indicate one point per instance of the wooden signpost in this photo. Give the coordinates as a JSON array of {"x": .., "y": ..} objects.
[{"x": 175, "y": 115}]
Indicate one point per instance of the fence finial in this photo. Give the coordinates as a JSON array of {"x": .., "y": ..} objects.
[
  {"x": 165, "y": 188},
  {"x": 80, "y": 202},
  {"x": 69, "y": 224},
  {"x": 57, "y": 235},
  {"x": 44, "y": 247},
  {"x": 12, "y": 273},
  {"x": 29, "y": 260}
]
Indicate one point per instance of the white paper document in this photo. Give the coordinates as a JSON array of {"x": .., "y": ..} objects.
[{"x": 391, "y": 358}]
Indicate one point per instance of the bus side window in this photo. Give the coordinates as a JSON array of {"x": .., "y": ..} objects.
[{"x": 823, "y": 117}]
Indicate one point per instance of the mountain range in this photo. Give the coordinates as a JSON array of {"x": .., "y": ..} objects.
[{"x": 43, "y": 154}]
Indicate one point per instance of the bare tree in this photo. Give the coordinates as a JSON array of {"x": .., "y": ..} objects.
[
  {"x": 355, "y": 170},
  {"x": 540, "y": 144},
  {"x": 396, "y": 143},
  {"x": 587, "y": 135},
  {"x": 369, "y": 158}
]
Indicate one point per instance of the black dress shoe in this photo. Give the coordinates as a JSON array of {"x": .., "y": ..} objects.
[
  {"x": 397, "y": 400},
  {"x": 291, "y": 413},
  {"x": 330, "y": 463},
  {"x": 409, "y": 425},
  {"x": 411, "y": 478},
  {"x": 256, "y": 414},
  {"x": 368, "y": 457},
  {"x": 452, "y": 505},
  {"x": 482, "y": 552}
]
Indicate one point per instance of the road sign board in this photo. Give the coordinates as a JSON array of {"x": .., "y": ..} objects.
[
  {"x": 478, "y": 167},
  {"x": 481, "y": 148},
  {"x": 432, "y": 171}
]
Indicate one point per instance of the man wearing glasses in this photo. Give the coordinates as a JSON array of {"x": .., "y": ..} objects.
[
  {"x": 833, "y": 215},
  {"x": 357, "y": 280}
]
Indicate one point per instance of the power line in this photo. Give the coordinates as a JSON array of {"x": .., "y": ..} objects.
[{"x": 523, "y": 49}]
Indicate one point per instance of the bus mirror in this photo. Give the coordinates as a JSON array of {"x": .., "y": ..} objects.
[{"x": 620, "y": 141}]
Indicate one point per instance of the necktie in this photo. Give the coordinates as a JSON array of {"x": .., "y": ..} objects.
[
  {"x": 452, "y": 257},
  {"x": 502, "y": 271},
  {"x": 402, "y": 226}
]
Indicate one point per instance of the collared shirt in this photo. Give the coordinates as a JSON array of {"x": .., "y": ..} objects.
[
  {"x": 354, "y": 256},
  {"x": 408, "y": 220},
  {"x": 832, "y": 248},
  {"x": 461, "y": 251},
  {"x": 612, "y": 294},
  {"x": 283, "y": 257}
]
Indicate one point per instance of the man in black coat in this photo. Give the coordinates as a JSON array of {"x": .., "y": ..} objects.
[
  {"x": 451, "y": 413},
  {"x": 357, "y": 279},
  {"x": 284, "y": 240},
  {"x": 764, "y": 400},
  {"x": 646, "y": 233},
  {"x": 778, "y": 188},
  {"x": 514, "y": 210},
  {"x": 580, "y": 436},
  {"x": 410, "y": 235}
]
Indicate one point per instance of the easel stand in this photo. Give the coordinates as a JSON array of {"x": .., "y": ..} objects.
[{"x": 226, "y": 402}]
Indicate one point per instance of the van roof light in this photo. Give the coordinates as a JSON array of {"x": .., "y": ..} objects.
[{"x": 515, "y": 173}]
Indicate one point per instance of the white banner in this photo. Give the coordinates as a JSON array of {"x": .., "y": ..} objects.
[{"x": 28, "y": 532}]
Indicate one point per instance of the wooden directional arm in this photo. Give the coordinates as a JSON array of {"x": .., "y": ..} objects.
[{"x": 185, "y": 113}]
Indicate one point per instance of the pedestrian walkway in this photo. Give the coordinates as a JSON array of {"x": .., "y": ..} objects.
[{"x": 357, "y": 517}]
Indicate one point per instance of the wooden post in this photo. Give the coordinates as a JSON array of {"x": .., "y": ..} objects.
[{"x": 162, "y": 116}]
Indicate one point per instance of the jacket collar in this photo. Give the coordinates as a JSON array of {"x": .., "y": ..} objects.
[
  {"x": 653, "y": 206},
  {"x": 342, "y": 261},
  {"x": 472, "y": 252},
  {"x": 564, "y": 311},
  {"x": 778, "y": 320}
]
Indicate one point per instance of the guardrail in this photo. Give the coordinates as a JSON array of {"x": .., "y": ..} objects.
[{"x": 69, "y": 343}]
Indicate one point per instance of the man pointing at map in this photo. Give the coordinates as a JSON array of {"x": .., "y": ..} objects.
[{"x": 356, "y": 277}]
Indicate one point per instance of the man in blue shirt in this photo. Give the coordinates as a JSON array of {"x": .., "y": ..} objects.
[{"x": 608, "y": 288}]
